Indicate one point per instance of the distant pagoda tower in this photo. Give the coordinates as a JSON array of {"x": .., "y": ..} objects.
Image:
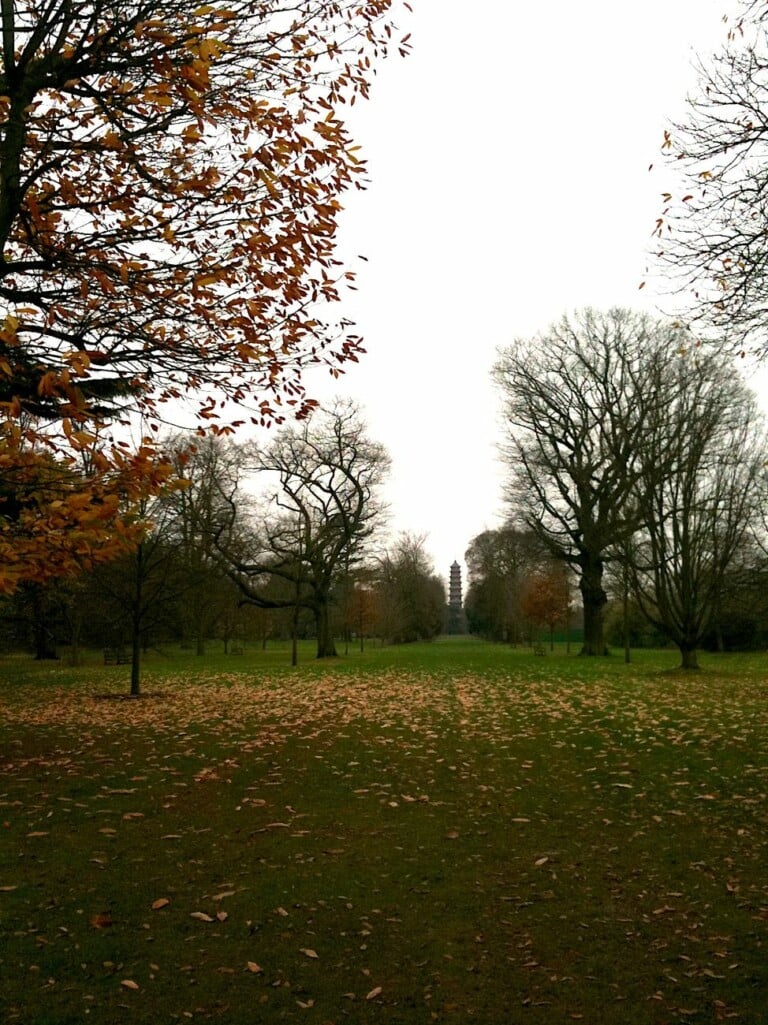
[
  {"x": 455, "y": 620},
  {"x": 454, "y": 590}
]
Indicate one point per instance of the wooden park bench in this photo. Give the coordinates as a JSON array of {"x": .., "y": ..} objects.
[{"x": 116, "y": 657}]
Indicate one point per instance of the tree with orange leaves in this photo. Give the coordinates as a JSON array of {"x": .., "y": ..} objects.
[{"x": 170, "y": 183}]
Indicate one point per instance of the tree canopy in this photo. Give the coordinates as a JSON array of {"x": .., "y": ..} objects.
[{"x": 171, "y": 176}]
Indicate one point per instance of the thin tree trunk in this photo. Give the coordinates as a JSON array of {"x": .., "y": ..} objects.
[{"x": 136, "y": 624}]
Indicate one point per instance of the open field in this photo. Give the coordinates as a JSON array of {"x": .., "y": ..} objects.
[{"x": 451, "y": 832}]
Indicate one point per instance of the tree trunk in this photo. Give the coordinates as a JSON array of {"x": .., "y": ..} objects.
[
  {"x": 44, "y": 640},
  {"x": 688, "y": 659},
  {"x": 326, "y": 647},
  {"x": 136, "y": 624},
  {"x": 594, "y": 599}
]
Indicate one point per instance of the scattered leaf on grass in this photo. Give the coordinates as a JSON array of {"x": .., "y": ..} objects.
[
  {"x": 253, "y": 967},
  {"x": 7, "y": 889},
  {"x": 308, "y": 953},
  {"x": 39, "y": 832},
  {"x": 221, "y": 896},
  {"x": 541, "y": 861},
  {"x": 161, "y": 902},
  {"x": 129, "y": 984},
  {"x": 101, "y": 921},
  {"x": 201, "y": 916},
  {"x": 222, "y": 916},
  {"x": 374, "y": 993}
]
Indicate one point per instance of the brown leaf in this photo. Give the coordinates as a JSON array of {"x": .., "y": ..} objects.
[
  {"x": 253, "y": 967},
  {"x": 221, "y": 916},
  {"x": 308, "y": 953},
  {"x": 201, "y": 916},
  {"x": 129, "y": 984},
  {"x": 374, "y": 993},
  {"x": 101, "y": 921},
  {"x": 161, "y": 902}
]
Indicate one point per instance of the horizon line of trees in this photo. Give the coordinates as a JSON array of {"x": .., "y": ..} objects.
[{"x": 302, "y": 555}]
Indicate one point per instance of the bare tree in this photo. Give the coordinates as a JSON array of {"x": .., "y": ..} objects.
[
  {"x": 210, "y": 468},
  {"x": 498, "y": 562},
  {"x": 697, "y": 494},
  {"x": 713, "y": 231},
  {"x": 325, "y": 509},
  {"x": 411, "y": 595},
  {"x": 577, "y": 400}
]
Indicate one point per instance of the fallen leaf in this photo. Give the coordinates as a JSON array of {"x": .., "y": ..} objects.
[
  {"x": 222, "y": 916},
  {"x": 221, "y": 896},
  {"x": 101, "y": 921},
  {"x": 308, "y": 953},
  {"x": 129, "y": 984},
  {"x": 38, "y": 832},
  {"x": 373, "y": 994},
  {"x": 253, "y": 967},
  {"x": 161, "y": 902},
  {"x": 201, "y": 916}
]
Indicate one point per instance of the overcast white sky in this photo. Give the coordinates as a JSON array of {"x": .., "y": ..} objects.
[{"x": 509, "y": 161}]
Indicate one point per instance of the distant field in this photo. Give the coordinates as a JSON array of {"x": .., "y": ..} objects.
[{"x": 450, "y": 832}]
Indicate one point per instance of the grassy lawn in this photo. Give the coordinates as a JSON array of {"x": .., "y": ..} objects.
[{"x": 451, "y": 832}]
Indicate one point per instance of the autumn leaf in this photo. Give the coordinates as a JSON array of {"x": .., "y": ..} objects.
[
  {"x": 161, "y": 902},
  {"x": 129, "y": 984},
  {"x": 201, "y": 916},
  {"x": 307, "y": 952},
  {"x": 376, "y": 991},
  {"x": 251, "y": 966}
]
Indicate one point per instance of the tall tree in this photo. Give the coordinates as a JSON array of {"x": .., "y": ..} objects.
[
  {"x": 577, "y": 400},
  {"x": 209, "y": 470},
  {"x": 328, "y": 473},
  {"x": 498, "y": 562},
  {"x": 170, "y": 183},
  {"x": 698, "y": 494},
  {"x": 713, "y": 231},
  {"x": 411, "y": 595}
]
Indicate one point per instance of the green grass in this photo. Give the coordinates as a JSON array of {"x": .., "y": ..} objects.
[{"x": 459, "y": 831}]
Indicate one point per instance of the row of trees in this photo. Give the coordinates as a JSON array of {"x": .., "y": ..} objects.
[
  {"x": 516, "y": 588},
  {"x": 631, "y": 446},
  {"x": 284, "y": 539}
]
